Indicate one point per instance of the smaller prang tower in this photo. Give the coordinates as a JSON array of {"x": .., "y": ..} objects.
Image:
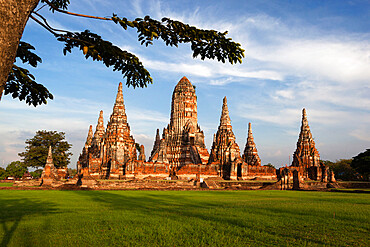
[
  {"x": 250, "y": 156},
  {"x": 306, "y": 158},
  {"x": 225, "y": 151}
]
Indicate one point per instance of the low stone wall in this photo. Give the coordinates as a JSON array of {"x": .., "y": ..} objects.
[{"x": 354, "y": 185}]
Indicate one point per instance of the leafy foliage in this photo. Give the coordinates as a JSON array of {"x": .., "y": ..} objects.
[
  {"x": 137, "y": 145},
  {"x": 112, "y": 56},
  {"x": 204, "y": 43},
  {"x": 37, "y": 149},
  {"x": 26, "y": 55},
  {"x": 59, "y": 4},
  {"x": 342, "y": 169},
  {"x": 361, "y": 163},
  {"x": 269, "y": 165},
  {"x": 2, "y": 173},
  {"x": 209, "y": 44},
  {"x": 16, "y": 169},
  {"x": 21, "y": 83},
  {"x": 36, "y": 173},
  {"x": 72, "y": 172}
]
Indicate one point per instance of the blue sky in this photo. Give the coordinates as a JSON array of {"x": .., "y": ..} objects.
[{"x": 312, "y": 54}]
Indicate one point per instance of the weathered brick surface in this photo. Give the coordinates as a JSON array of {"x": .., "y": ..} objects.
[
  {"x": 251, "y": 161},
  {"x": 225, "y": 152},
  {"x": 182, "y": 142},
  {"x": 306, "y": 158},
  {"x": 179, "y": 151},
  {"x": 119, "y": 146}
]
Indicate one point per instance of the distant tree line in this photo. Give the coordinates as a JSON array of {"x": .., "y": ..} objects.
[
  {"x": 36, "y": 154},
  {"x": 17, "y": 169},
  {"x": 357, "y": 168}
]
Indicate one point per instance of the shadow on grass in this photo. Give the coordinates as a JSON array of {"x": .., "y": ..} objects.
[
  {"x": 14, "y": 210},
  {"x": 179, "y": 206}
]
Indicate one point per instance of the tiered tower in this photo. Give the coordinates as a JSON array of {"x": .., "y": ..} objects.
[
  {"x": 250, "y": 155},
  {"x": 183, "y": 139},
  {"x": 225, "y": 150},
  {"x": 95, "y": 153},
  {"x": 50, "y": 172},
  {"x": 119, "y": 145},
  {"x": 83, "y": 158},
  {"x": 306, "y": 157}
]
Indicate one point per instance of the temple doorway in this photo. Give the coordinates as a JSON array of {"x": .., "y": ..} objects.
[
  {"x": 239, "y": 170},
  {"x": 108, "y": 169}
]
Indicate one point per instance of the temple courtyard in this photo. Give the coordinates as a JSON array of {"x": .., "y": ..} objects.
[{"x": 183, "y": 218}]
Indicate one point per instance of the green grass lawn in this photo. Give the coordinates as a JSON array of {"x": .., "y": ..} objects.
[
  {"x": 183, "y": 218},
  {"x": 6, "y": 184}
]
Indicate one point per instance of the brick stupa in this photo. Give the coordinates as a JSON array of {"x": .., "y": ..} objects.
[
  {"x": 250, "y": 156},
  {"x": 306, "y": 158},
  {"x": 111, "y": 148},
  {"x": 225, "y": 151},
  {"x": 182, "y": 141},
  {"x": 50, "y": 173},
  {"x": 119, "y": 146},
  {"x": 83, "y": 158}
]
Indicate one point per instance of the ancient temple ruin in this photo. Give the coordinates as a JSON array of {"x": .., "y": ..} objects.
[
  {"x": 251, "y": 159},
  {"x": 50, "y": 173},
  {"x": 225, "y": 152},
  {"x": 180, "y": 151},
  {"x": 182, "y": 142},
  {"x": 306, "y": 158},
  {"x": 106, "y": 154}
]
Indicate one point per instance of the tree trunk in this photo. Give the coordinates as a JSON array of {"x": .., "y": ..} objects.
[{"x": 13, "y": 18}]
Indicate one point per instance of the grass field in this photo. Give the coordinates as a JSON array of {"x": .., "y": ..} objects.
[
  {"x": 183, "y": 218},
  {"x": 7, "y": 184}
]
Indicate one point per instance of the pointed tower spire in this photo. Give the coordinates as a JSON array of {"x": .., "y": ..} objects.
[
  {"x": 224, "y": 148},
  {"x": 99, "y": 131},
  {"x": 157, "y": 136},
  {"x": 156, "y": 144},
  {"x": 225, "y": 118},
  {"x": 50, "y": 154},
  {"x": 89, "y": 137},
  {"x": 251, "y": 156},
  {"x": 250, "y": 135},
  {"x": 306, "y": 154},
  {"x": 119, "y": 113},
  {"x": 119, "y": 98},
  {"x": 49, "y": 160},
  {"x": 304, "y": 119}
]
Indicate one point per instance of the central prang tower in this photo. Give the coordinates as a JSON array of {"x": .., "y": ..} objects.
[{"x": 182, "y": 142}]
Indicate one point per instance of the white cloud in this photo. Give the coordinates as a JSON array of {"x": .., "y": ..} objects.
[
  {"x": 137, "y": 10},
  {"x": 330, "y": 59},
  {"x": 136, "y": 114},
  {"x": 362, "y": 133},
  {"x": 285, "y": 94},
  {"x": 185, "y": 68},
  {"x": 219, "y": 82}
]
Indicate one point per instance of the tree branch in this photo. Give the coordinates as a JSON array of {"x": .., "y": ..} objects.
[
  {"x": 46, "y": 27},
  {"x": 40, "y": 8},
  {"x": 47, "y": 24},
  {"x": 75, "y": 14}
]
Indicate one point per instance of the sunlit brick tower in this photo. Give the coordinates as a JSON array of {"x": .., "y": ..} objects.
[
  {"x": 251, "y": 161},
  {"x": 84, "y": 157},
  {"x": 95, "y": 153},
  {"x": 225, "y": 151},
  {"x": 119, "y": 145},
  {"x": 306, "y": 158},
  {"x": 250, "y": 156},
  {"x": 182, "y": 141}
]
